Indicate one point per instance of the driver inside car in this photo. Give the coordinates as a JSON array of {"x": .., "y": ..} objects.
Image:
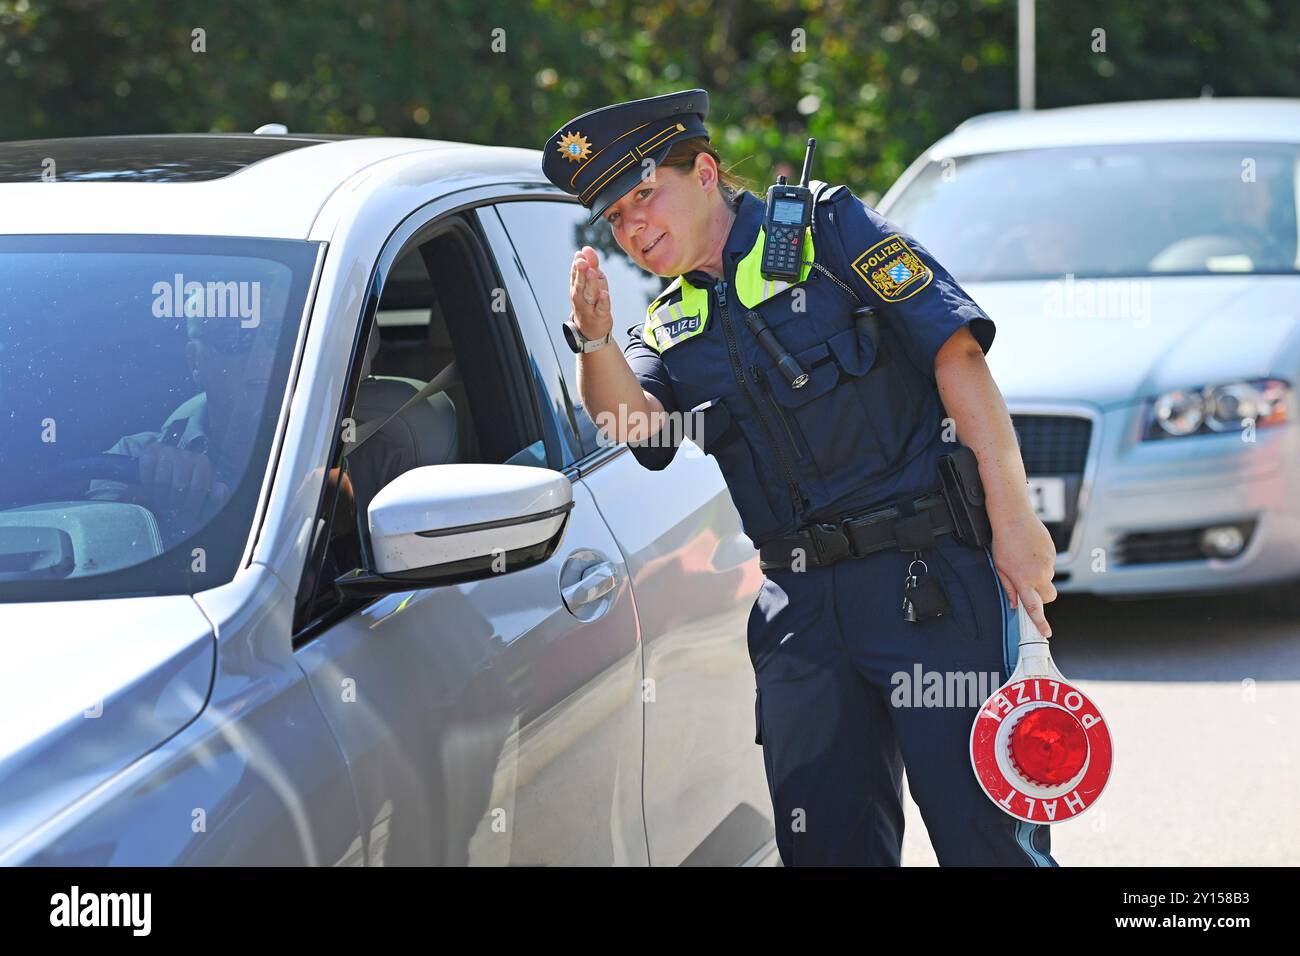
[{"x": 190, "y": 464}]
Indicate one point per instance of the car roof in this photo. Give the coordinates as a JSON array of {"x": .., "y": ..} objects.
[
  {"x": 1209, "y": 119},
  {"x": 174, "y": 158},
  {"x": 233, "y": 184}
]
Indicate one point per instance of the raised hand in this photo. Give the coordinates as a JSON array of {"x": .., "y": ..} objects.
[{"x": 589, "y": 294}]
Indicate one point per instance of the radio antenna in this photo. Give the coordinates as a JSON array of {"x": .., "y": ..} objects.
[{"x": 807, "y": 161}]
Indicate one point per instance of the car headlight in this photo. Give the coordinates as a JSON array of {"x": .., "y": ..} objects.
[{"x": 1214, "y": 409}]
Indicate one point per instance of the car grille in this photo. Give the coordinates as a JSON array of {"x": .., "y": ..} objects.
[
  {"x": 1053, "y": 444},
  {"x": 1056, "y": 446}
]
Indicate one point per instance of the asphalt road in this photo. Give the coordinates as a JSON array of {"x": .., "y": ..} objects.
[{"x": 1202, "y": 696}]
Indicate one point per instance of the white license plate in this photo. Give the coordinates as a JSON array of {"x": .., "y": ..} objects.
[{"x": 1048, "y": 497}]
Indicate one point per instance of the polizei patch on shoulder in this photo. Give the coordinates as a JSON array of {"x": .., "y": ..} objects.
[
  {"x": 667, "y": 327},
  {"x": 893, "y": 270}
]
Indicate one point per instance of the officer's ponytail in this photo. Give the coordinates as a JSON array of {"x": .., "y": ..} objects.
[{"x": 683, "y": 153}]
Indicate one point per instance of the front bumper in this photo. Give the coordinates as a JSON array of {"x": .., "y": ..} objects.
[{"x": 1130, "y": 487}]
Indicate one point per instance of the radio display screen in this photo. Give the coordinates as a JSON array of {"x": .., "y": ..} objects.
[{"x": 789, "y": 211}]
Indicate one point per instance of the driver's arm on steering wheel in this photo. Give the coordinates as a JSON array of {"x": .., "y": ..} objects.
[
  {"x": 175, "y": 484},
  {"x": 103, "y": 489}
]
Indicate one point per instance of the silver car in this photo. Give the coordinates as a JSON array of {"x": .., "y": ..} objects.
[
  {"x": 1140, "y": 260},
  {"x": 308, "y": 553}
]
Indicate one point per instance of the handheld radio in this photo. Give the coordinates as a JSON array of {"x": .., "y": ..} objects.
[{"x": 789, "y": 213}]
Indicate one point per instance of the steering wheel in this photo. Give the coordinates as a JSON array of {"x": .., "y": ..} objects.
[{"x": 71, "y": 477}]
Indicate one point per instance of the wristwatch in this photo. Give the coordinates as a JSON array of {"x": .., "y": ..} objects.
[{"x": 580, "y": 343}]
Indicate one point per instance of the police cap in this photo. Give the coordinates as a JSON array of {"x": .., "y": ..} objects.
[{"x": 599, "y": 156}]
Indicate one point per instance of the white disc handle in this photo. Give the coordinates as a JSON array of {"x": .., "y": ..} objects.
[{"x": 1035, "y": 655}]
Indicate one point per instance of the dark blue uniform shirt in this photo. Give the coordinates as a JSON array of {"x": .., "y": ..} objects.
[{"x": 867, "y": 428}]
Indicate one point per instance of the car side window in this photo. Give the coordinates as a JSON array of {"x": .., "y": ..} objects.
[
  {"x": 435, "y": 307},
  {"x": 546, "y": 234}
]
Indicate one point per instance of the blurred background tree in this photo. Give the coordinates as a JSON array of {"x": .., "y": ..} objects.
[{"x": 876, "y": 82}]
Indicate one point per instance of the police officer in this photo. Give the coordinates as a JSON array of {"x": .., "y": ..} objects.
[{"x": 836, "y": 478}]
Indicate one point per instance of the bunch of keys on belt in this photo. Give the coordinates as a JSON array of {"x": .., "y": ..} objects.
[{"x": 922, "y": 596}]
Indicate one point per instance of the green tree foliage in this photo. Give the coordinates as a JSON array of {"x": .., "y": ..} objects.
[{"x": 876, "y": 82}]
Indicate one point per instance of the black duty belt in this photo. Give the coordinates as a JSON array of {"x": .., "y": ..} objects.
[{"x": 909, "y": 525}]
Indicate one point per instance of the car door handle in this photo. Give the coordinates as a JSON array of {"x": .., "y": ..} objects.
[{"x": 596, "y": 582}]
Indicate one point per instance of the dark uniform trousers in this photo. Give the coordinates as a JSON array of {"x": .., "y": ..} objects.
[{"x": 839, "y": 710}]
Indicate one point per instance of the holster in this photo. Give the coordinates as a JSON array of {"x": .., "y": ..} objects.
[{"x": 963, "y": 490}]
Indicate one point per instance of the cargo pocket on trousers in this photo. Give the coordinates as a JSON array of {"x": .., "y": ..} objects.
[
  {"x": 954, "y": 586},
  {"x": 758, "y": 716}
]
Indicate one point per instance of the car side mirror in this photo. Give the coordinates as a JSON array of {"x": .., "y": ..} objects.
[{"x": 448, "y": 524}]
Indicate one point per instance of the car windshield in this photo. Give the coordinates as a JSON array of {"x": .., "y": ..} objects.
[
  {"x": 141, "y": 380},
  {"x": 1186, "y": 209}
]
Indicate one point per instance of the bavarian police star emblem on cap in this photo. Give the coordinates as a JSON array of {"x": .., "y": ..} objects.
[{"x": 574, "y": 147}]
